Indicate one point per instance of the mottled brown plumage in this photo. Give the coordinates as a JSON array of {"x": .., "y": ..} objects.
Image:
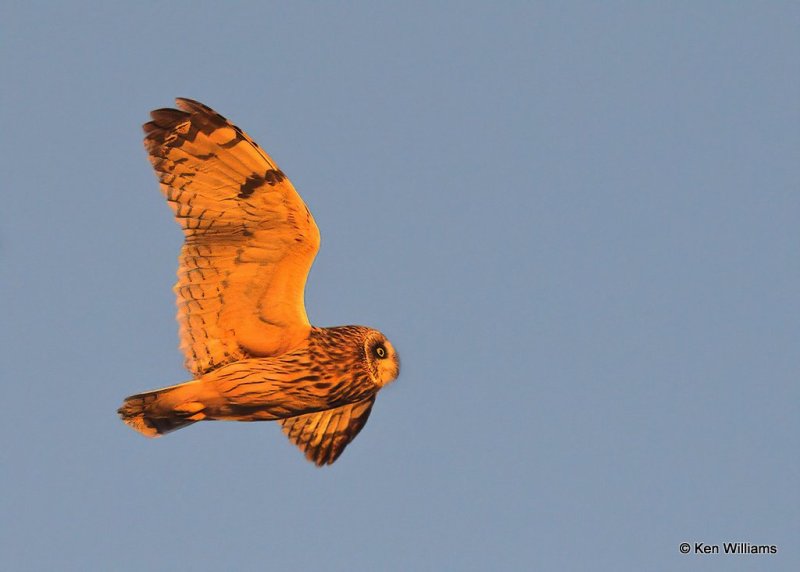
[{"x": 249, "y": 244}]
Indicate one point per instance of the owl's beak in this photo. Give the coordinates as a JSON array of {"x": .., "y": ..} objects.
[{"x": 396, "y": 365}]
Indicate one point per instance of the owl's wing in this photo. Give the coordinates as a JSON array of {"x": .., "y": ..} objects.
[
  {"x": 322, "y": 436},
  {"x": 249, "y": 238}
]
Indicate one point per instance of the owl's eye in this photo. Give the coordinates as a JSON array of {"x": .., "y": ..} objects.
[{"x": 380, "y": 351}]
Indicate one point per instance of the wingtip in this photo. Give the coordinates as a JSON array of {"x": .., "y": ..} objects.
[
  {"x": 184, "y": 102},
  {"x": 320, "y": 460},
  {"x": 193, "y": 106}
]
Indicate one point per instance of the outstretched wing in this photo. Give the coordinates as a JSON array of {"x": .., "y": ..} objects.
[
  {"x": 323, "y": 436},
  {"x": 249, "y": 238}
]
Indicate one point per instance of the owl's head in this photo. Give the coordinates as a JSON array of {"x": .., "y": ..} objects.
[{"x": 382, "y": 359}]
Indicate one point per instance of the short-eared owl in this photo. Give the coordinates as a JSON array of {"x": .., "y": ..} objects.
[{"x": 249, "y": 244}]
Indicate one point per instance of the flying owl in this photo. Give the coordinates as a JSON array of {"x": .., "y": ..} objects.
[{"x": 249, "y": 244}]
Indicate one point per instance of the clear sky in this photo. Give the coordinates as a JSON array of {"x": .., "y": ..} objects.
[{"x": 577, "y": 223}]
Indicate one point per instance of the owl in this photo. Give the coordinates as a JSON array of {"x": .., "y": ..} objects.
[{"x": 249, "y": 242}]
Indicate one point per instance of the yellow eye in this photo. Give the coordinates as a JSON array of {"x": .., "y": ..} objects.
[{"x": 380, "y": 351}]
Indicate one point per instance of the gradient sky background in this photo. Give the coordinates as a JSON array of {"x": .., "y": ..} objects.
[{"x": 578, "y": 225}]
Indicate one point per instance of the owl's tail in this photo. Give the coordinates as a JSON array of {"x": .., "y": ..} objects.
[{"x": 154, "y": 413}]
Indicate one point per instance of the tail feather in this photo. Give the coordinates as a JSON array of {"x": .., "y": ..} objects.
[{"x": 155, "y": 413}]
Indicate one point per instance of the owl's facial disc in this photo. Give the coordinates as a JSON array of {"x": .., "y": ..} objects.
[{"x": 383, "y": 359}]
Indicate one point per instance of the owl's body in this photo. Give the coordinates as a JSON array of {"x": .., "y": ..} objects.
[
  {"x": 250, "y": 242},
  {"x": 331, "y": 368}
]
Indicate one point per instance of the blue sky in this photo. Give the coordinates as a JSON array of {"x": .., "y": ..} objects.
[{"x": 577, "y": 224}]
